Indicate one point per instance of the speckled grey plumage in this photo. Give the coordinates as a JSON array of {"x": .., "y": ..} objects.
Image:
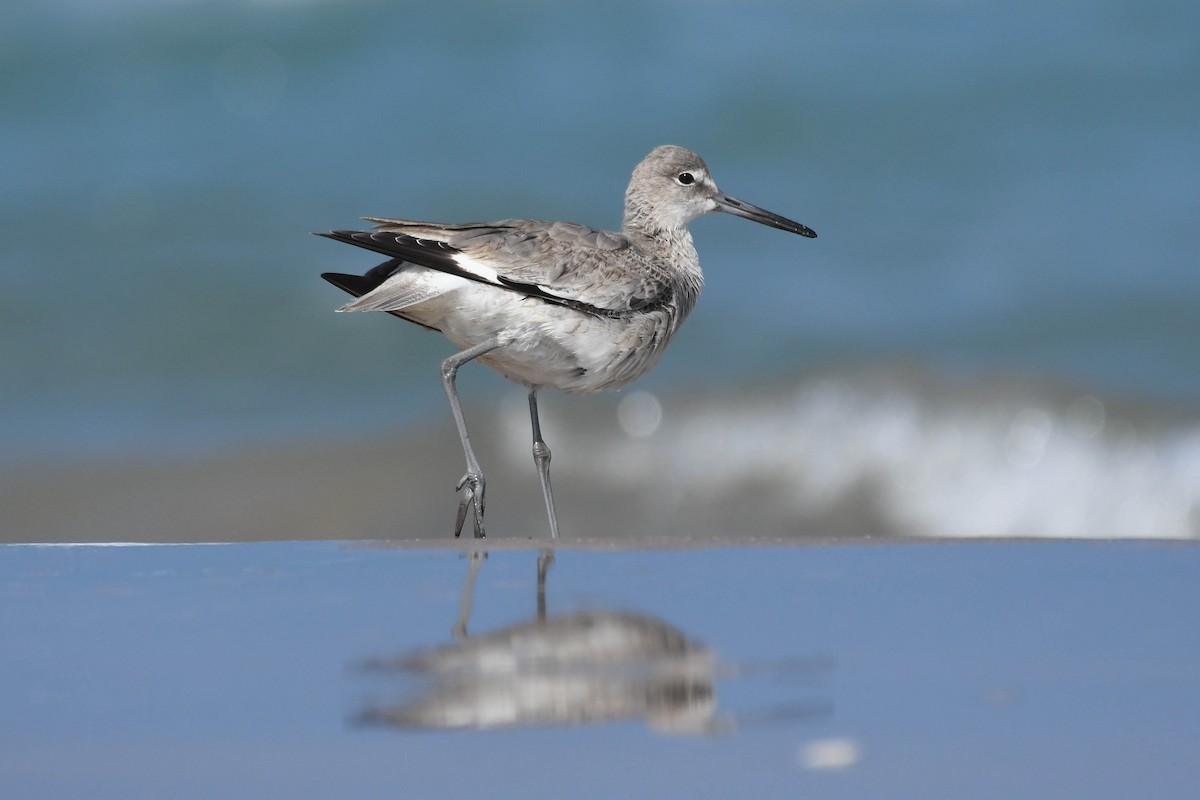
[{"x": 551, "y": 303}]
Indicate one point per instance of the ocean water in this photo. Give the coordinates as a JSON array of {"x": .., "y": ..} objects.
[{"x": 1007, "y": 197}]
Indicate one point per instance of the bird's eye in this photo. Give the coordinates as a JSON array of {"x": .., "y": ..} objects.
[{"x": 685, "y": 178}]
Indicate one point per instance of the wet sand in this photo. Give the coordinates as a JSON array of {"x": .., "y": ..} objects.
[
  {"x": 398, "y": 487},
  {"x": 984, "y": 670}
]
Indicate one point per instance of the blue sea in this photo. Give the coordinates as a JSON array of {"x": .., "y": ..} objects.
[{"x": 998, "y": 329}]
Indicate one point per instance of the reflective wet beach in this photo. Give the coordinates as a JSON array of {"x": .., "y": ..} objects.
[{"x": 312, "y": 669}]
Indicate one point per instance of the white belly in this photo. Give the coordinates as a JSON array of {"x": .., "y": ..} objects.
[{"x": 547, "y": 344}]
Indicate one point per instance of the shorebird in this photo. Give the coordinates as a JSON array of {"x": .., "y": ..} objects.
[{"x": 550, "y": 303}]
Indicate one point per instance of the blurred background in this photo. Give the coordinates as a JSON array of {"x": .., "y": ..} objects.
[{"x": 996, "y": 333}]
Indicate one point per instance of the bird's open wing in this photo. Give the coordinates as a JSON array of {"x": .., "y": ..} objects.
[{"x": 573, "y": 265}]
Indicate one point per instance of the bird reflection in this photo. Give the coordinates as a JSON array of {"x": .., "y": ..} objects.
[{"x": 574, "y": 669}]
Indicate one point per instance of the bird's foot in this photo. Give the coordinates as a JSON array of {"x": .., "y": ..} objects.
[{"x": 471, "y": 485}]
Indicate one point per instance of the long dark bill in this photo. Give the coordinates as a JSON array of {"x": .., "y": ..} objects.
[{"x": 731, "y": 205}]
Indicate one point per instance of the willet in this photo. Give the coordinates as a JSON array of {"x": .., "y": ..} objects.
[{"x": 550, "y": 303}]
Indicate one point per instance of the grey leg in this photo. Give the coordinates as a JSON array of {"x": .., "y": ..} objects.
[
  {"x": 541, "y": 457},
  {"x": 473, "y": 479}
]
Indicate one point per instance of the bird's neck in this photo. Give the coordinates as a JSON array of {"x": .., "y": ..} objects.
[
  {"x": 669, "y": 243},
  {"x": 663, "y": 237},
  {"x": 651, "y": 220},
  {"x": 672, "y": 257}
]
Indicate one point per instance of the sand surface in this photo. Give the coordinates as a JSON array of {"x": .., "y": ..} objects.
[{"x": 400, "y": 486}]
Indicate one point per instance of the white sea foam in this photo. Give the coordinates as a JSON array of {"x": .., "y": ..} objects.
[{"x": 927, "y": 457}]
